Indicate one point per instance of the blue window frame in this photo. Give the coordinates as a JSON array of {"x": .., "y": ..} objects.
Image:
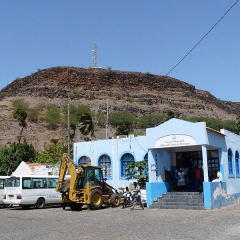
[
  {"x": 146, "y": 160},
  {"x": 230, "y": 165},
  {"x": 125, "y": 160},
  {"x": 82, "y": 160},
  {"x": 156, "y": 163},
  {"x": 237, "y": 162},
  {"x": 105, "y": 163}
]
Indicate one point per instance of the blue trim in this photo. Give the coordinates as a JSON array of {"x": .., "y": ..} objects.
[
  {"x": 102, "y": 154},
  {"x": 155, "y": 190},
  {"x": 207, "y": 196},
  {"x": 230, "y": 163},
  {"x": 120, "y": 164},
  {"x": 222, "y": 172},
  {"x": 146, "y": 160},
  {"x": 237, "y": 162}
]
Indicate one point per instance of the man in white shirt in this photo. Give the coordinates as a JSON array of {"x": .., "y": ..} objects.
[
  {"x": 137, "y": 198},
  {"x": 219, "y": 176}
]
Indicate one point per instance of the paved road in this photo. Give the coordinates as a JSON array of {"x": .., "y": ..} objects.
[{"x": 116, "y": 223}]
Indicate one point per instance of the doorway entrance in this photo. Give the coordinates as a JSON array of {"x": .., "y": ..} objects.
[{"x": 193, "y": 161}]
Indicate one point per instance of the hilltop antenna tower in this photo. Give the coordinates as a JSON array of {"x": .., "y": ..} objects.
[{"x": 95, "y": 61}]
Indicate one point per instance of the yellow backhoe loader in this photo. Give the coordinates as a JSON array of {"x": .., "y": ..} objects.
[{"x": 85, "y": 187}]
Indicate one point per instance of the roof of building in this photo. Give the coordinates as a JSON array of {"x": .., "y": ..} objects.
[{"x": 32, "y": 166}]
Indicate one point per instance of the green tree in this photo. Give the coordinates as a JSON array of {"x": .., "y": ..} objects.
[
  {"x": 215, "y": 124},
  {"x": 137, "y": 170},
  {"x": 3, "y": 94},
  {"x": 20, "y": 115},
  {"x": 122, "y": 119},
  {"x": 10, "y": 158},
  {"x": 52, "y": 152},
  {"x": 150, "y": 120},
  {"x": 20, "y": 103},
  {"x": 53, "y": 117},
  {"x": 76, "y": 112},
  {"x": 238, "y": 123},
  {"x": 32, "y": 114},
  {"x": 168, "y": 115}
]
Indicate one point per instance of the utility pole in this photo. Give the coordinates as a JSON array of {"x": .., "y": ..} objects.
[
  {"x": 68, "y": 133},
  {"x": 107, "y": 121}
]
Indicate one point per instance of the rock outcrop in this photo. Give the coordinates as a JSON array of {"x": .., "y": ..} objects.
[{"x": 139, "y": 93}]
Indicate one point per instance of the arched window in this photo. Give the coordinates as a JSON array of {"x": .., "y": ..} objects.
[
  {"x": 230, "y": 167},
  {"x": 125, "y": 160},
  {"x": 105, "y": 162},
  {"x": 146, "y": 160},
  {"x": 82, "y": 160},
  {"x": 237, "y": 162}
]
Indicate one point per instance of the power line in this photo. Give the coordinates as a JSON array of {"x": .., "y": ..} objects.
[{"x": 203, "y": 37}]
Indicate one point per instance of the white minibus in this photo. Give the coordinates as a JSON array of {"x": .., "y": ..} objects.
[
  {"x": 2, "y": 182},
  {"x": 31, "y": 190}
]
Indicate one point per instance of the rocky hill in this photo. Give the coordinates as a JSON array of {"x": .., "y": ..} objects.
[{"x": 139, "y": 93}]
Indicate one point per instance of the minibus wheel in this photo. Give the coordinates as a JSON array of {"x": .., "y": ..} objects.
[{"x": 40, "y": 203}]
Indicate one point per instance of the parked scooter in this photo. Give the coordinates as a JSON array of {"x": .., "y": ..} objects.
[{"x": 126, "y": 198}]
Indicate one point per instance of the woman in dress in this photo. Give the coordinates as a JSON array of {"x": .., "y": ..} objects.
[{"x": 181, "y": 180}]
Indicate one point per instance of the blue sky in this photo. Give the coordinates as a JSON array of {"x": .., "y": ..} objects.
[{"x": 142, "y": 36}]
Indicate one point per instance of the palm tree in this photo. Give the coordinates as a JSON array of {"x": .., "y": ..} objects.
[
  {"x": 86, "y": 125},
  {"x": 122, "y": 130}
]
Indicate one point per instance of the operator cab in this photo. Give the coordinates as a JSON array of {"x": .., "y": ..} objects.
[{"x": 89, "y": 174}]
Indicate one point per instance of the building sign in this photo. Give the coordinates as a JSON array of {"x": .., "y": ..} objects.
[
  {"x": 153, "y": 168},
  {"x": 177, "y": 140}
]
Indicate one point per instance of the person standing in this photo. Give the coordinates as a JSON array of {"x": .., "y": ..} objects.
[
  {"x": 185, "y": 170},
  {"x": 176, "y": 179},
  {"x": 137, "y": 198},
  {"x": 181, "y": 180},
  {"x": 198, "y": 178}
]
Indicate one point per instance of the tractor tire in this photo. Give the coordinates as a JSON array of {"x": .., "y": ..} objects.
[
  {"x": 40, "y": 203},
  {"x": 96, "y": 199},
  {"x": 115, "y": 200},
  {"x": 75, "y": 206}
]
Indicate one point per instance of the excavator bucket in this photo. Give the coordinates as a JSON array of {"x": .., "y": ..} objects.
[{"x": 65, "y": 187}]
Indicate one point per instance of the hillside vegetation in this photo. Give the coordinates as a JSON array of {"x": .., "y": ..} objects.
[{"x": 135, "y": 102}]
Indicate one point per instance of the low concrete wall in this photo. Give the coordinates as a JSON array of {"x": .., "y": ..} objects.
[
  {"x": 156, "y": 189},
  {"x": 216, "y": 196}
]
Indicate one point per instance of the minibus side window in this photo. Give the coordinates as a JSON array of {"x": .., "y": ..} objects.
[
  {"x": 39, "y": 183},
  {"x": 52, "y": 182},
  {"x": 26, "y": 183},
  {"x": 2, "y": 183}
]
